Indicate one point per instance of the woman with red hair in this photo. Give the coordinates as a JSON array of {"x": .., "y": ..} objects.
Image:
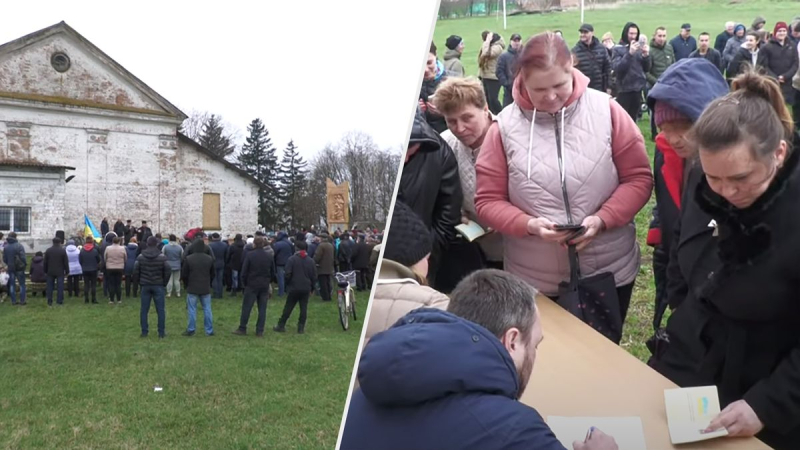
[{"x": 563, "y": 154}]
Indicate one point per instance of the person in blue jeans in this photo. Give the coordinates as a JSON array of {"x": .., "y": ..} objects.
[
  {"x": 283, "y": 251},
  {"x": 219, "y": 249},
  {"x": 197, "y": 273},
  {"x": 56, "y": 266},
  {"x": 14, "y": 258},
  {"x": 152, "y": 272}
]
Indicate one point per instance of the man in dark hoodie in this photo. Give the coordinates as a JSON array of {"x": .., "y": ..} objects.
[
  {"x": 301, "y": 274},
  {"x": 430, "y": 186},
  {"x": 462, "y": 370},
  {"x": 593, "y": 59},
  {"x": 234, "y": 259},
  {"x": 197, "y": 273},
  {"x": 258, "y": 269},
  {"x": 56, "y": 266},
  {"x": 678, "y": 99},
  {"x": 631, "y": 62},
  {"x": 218, "y": 248},
  {"x": 14, "y": 258},
  {"x": 506, "y": 66},
  {"x": 283, "y": 251},
  {"x": 152, "y": 272},
  {"x": 758, "y": 24},
  {"x": 89, "y": 258}
]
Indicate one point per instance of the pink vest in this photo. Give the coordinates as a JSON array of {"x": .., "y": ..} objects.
[{"x": 534, "y": 186}]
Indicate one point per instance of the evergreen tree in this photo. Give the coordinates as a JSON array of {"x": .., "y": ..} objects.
[
  {"x": 258, "y": 158},
  {"x": 293, "y": 180},
  {"x": 214, "y": 138}
]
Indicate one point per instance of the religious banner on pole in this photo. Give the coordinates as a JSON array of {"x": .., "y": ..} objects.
[{"x": 338, "y": 205}]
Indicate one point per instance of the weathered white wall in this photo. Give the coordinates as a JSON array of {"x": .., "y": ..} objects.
[
  {"x": 88, "y": 79},
  {"x": 41, "y": 190},
  {"x": 128, "y": 169}
]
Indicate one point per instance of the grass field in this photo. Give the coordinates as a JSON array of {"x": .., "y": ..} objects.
[
  {"x": 79, "y": 377},
  {"x": 703, "y": 15}
]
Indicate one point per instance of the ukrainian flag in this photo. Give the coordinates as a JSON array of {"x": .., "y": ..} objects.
[{"x": 90, "y": 229}]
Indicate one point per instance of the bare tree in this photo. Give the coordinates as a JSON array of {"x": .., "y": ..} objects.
[{"x": 192, "y": 127}]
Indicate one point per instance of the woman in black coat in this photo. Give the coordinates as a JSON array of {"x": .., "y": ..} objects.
[
  {"x": 743, "y": 58},
  {"x": 780, "y": 60},
  {"x": 734, "y": 270}
]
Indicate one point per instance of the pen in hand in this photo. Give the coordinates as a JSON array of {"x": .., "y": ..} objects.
[{"x": 589, "y": 434}]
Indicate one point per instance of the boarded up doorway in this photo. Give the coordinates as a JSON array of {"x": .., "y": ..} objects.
[{"x": 211, "y": 212}]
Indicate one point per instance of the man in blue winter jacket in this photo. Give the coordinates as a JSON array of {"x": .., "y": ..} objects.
[
  {"x": 452, "y": 379},
  {"x": 283, "y": 251}
]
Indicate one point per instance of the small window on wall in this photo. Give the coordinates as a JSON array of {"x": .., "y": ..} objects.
[
  {"x": 211, "y": 212},
  {"x": 15, "y": 219}
]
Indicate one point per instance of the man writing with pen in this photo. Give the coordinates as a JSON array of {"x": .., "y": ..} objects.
[{"x": 452, "y": 379}]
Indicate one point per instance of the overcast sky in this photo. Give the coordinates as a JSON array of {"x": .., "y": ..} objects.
[{"x": 312, "y": 70}]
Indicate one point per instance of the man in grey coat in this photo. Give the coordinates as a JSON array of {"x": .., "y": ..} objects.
[{"x": 174, "y": 253}]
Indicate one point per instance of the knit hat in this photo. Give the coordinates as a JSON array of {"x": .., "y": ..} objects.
[
  {"x": 452, "y": 42},
  {"x": 152, "y": 241},
  {"x": 666, "y": 113},
  {"x": 71, "y": 242},
  {"x": 739, "y": 27},
  {"x": 250, "y": 241},
  {"x": 409, "y": 240},
  {"x": 780, "y": 26},
  {"x": 165, "y": 241}
]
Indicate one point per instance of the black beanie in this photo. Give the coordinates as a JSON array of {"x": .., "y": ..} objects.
[
  {"x": 409, "y": 240},
  {"x": 152, "y": 241},
  {"x": 452, "y": 42}
]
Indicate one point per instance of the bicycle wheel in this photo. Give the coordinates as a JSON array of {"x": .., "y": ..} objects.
[
  {"x": 353, "y": 304},
  {"x": 343, "y": 317}
]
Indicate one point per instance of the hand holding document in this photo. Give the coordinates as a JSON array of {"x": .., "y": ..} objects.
[
  {"x": 689, "y": 413},
  {"x": 471, "y": 230}
]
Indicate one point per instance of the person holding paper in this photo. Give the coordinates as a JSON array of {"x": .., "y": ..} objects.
[
  {"x": 733, "y": 267},
  {"x": 463, "y": 104},
  {"x": 452, "y": 379},
  {"x": 563, "y": 154}
]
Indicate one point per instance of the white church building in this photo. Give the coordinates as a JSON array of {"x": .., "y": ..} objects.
[{"x": 79, "y": 135}]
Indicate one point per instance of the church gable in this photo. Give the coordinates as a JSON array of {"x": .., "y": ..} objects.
[{"x": 57, "y": 65}]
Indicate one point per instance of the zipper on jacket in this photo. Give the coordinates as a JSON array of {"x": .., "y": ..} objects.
[{"x": 562, "y": 169}]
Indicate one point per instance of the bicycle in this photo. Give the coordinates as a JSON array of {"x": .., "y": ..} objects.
[{"x": 346, "y": 297}]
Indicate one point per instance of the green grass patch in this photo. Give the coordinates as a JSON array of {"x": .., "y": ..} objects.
[{"x": 79, "y": 376}]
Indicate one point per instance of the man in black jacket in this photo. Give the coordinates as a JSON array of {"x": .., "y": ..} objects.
[
  {"x": 234, "y": 260},
  {"x": 151, "y": 271},
  {"x": 56, "y": 266},
  {"x": 197, "y": 273},
  {"x": 345, "y": 253},
  {"x": 143, "y": 233},
  {"x": 218, "y": 249},
  {"x": 430, "y": 186},
  {"x": 361, "y": 263},
  {"x": 258, "y": 269},
  {"x": 593, "y": 60},
  {"x": 506, "y": 68},
  {"x": 300, "y": 276},
  {"x": 119, "y": 229}
]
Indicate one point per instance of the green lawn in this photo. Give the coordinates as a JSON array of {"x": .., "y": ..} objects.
[
  {"x": 703, "y": 15},
  {"x": 79, "y": 376}
]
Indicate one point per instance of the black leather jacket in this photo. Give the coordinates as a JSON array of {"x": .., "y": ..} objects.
[{"x": 430, "y": 185}]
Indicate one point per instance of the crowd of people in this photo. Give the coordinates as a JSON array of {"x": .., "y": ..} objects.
[
  {"x": 555, "y": 179},
  {"x": 203, "y": 265}
]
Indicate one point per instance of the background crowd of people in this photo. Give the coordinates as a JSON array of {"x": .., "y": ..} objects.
[{"x": 203, "y": 265}]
